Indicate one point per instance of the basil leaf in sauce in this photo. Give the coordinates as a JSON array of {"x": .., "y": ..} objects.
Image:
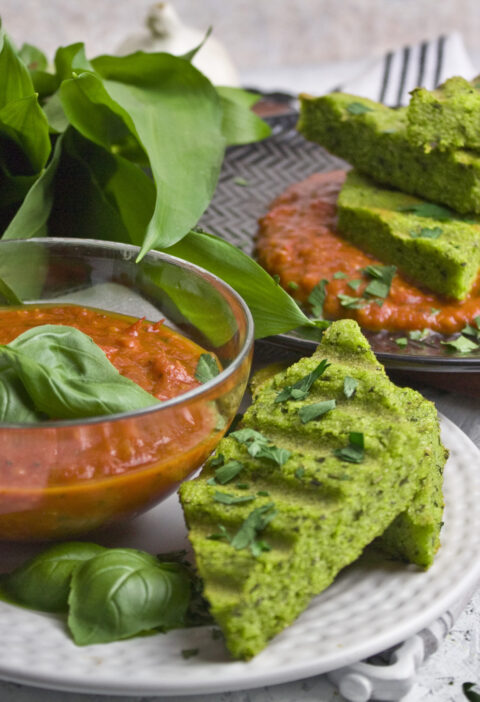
[
  {"x": 67, "y": 376},
  {"x": 15, "y": 403},
  {"x": 123, "y": 592},
  {"x": 43, "y": 582}
]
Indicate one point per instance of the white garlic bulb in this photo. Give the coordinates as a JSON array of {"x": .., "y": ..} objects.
[{"x": 166, "y": 32}]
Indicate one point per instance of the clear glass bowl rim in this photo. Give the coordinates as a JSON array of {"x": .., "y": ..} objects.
[{"x": 185, "y": 398}]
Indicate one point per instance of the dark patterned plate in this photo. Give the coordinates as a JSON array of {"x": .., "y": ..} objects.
[{"x": 252, "y": 176}]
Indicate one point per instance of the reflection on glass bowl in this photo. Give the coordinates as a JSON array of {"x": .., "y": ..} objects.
[{"x": 60, "y": 479}]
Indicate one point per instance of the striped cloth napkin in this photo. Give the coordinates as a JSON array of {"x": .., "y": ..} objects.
[{"x": 428, "y": 64}]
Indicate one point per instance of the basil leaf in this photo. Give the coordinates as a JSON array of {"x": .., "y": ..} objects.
[
  {"x": 15, "y": 404},
  {"x": 349, "y": 386},
  {"x": 300, "y": 389},
  {"x": 253, "y": 524},
  {"x": 123, "y": 592},
  {"x": 354, "y": 284},
  {"x": 68, "y": 376},
  {"x": 402, "y": 341},
  {"x": 227, "y": 499},
  {"x": 310, "y": 412},
  {"x": 207, "y": 368},
  {"x": 317, "y": 298},
  {"x": 8, "y": 294},
  {"x": 274, "y": 310},
  {"x": 43, "y": 582}
]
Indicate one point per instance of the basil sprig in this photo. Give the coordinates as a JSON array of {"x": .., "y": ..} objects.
[
  {"x": 59, "y": 372},
  {"x": 110, "y": 594}
]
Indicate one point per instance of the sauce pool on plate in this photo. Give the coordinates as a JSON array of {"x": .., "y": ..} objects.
[{"x": 299, "y": 242}]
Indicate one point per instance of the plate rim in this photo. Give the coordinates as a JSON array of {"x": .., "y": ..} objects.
[{"x": 254, "y": 673}]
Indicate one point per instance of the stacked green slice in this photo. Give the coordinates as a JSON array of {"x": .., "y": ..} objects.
[{"x": 329, "y": 455}]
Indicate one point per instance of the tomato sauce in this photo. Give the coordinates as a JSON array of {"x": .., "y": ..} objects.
[
  {"x": 57, "y": 481},
  {"x": 298, "y": 241}
]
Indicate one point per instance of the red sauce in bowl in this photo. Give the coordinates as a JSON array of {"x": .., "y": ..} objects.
[
  {"x": 298, "y": 241},
  {"x": 57, "y": 481}
]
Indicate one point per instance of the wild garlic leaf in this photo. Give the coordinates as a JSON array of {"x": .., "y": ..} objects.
[
  {"x": 123, "y": 592},
  {"x": 300, "y": 389},
  {"x": 67, "y": 376},
  {"x": 207, "y": 368},
  {"x": 307, "y": 413}
]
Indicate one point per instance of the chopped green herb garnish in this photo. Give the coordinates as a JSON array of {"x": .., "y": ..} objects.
[
  {"x": 419, "y": 334},
  {"x": 300, "y": 472},
  {"x": 401, "y": 341},
  {"x": 309, "y": 412},
  {"x": 227, "y": 499},
  {"x": 189, "y": 652},
  {"x": 469, "y": 330},
  {"x": 259, "y": 446},
  {"x": 428, "y": 209},
  {"x": 256, "y": 522},
  {"x": 317, "y": 298},
  {"x": 242, "y": 486},
  {"x": 263, "y": 493},
  {"x": 292, "y": 285},
  {"x": 358, "y": 108},
  {"x": 354, "y": 452},
  {"x": 207, "y": 368},
  {"x": 426, "y": 233},
  {"x": 228, "y": 472},
  {"x": 220, "y": 535},
  {"x": 349, "y": 386},
  {"x": 241, "y": 181},
  {"x": 300, "y": 389},
  {"x": 382, "y": 280},
  {"x": 351, "y": 303},
  {"x": 434, "y": 311},
  {"x": 259, "y": 546},
  {"x": 354, "y": 284},
  {"x": 217, "y": 461},
  {"x": 462, "y": 344},
  {"x": 339, "y": 275}
]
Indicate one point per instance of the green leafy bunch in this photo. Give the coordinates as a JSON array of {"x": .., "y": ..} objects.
[{"x": 127, "y": 149}]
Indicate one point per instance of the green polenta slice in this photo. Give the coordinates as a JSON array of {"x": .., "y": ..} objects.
[
  {"x": 445, "y": 118},
  {"x": 321, "y": 510},
  {"x": 441, "y": 253},
  {"x": 374, "y": 140}
]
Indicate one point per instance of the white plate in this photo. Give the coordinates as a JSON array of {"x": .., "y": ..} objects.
[{"x": 365, "y": 611}]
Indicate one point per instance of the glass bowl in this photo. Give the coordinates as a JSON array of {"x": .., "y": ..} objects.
[{"x": 61, "y": 479}]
